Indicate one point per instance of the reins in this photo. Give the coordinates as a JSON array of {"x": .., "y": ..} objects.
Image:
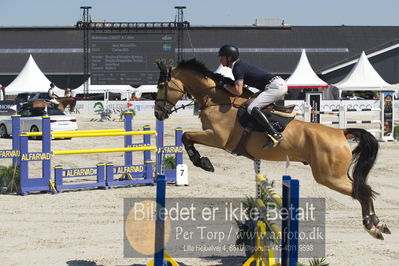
[
  {"x": 167, "y": 78},
  {"x": 238, "y": 106},
  {"x": 165, "y": 99}
]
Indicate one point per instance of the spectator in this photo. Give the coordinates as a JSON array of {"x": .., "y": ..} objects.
[
  {"x": 354, "y": 97},
  {"x": 133, "y": 97},
  {"x": 68, "y": 93}
]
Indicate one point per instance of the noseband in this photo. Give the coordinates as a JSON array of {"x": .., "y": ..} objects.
[{"x": 163, "y": 83}]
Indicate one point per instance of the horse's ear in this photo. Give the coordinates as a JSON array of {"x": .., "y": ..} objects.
[
  {"x": 162, "y": 67},
  {"x": 170, "y": 73}
]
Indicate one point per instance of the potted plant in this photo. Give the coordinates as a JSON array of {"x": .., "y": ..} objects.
[
  {"x": 170, "y": 162},
  {"x": 246, "y": 236},
  {"x": 246, "y": 229},
  {"x": 9, "y": 179},
  {"x": 123, "y": 112},
  {"x": 316, "y": 262},
  {"x": 396, "y": 132}
]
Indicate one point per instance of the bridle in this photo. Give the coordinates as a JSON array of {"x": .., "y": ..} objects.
[
  {"x": 162, "y": 103},
  {"x": 163, "y": 82}
]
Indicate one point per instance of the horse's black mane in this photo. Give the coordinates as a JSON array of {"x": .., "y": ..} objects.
[
  {"x": 199, "y": 67},
  {"x": 194, "y": 65}
]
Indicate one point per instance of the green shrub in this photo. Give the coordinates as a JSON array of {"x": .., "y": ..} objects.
[
  {"x": 315, "y": 262},
  {"x": 9, "y": 176},
  {"x": 123, "y": 112},
  {"x": 247, "y": 228},
  {"x": 396, "y": 132},
  {"x": 170, "y": 162}
]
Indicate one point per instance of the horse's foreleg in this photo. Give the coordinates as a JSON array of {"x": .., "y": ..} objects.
[{"x": 206, "y": 137}]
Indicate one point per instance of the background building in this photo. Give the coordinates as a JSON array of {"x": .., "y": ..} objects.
[{"x": 332, "y": 50}]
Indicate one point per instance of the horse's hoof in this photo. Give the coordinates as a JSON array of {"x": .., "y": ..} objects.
[
  {"x": 206, "y": 164},
  {"x": 383, "y": 228},
  {"x": 375, "y": 232}
]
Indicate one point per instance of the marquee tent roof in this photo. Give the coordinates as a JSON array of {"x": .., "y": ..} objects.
[
  {"x": 30, "y": 79},
  {"x": 363, "y": 77},
  {"x": 304, "y": 76},
  {"x": 103, "y": 88},
  {"x": 147, "y": 89}
]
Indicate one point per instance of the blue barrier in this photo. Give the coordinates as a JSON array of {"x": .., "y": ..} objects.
[
  {"x": 176, "y": 149},
  {"x": 108, "y": 175},
  {"x": 13, "y": 153},
  {"x": 161, "y": 257},
  {"x": 60, "y": 174},
  {"x": 288, "y": 234}
]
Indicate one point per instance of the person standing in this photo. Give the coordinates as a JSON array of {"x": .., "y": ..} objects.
[{"x": 68, "y": 93}]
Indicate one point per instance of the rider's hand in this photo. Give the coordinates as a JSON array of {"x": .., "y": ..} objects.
[{"x": 219, "y": 83}]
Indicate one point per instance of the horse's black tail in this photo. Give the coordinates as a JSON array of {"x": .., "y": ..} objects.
[{"x": 363, "y": 159}]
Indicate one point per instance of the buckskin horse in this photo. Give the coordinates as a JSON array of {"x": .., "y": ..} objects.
[
  {"x": 326, "y": 150},
  {"x": 64, "y": 102}
]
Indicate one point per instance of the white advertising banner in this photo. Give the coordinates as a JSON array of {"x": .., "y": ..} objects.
[
  {"x": 147, "y": 107},
  {"x": 334, "y": 104},
  {"x": 116, "y": 107}
]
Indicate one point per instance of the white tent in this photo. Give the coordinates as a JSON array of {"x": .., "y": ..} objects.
[
  {"x": 304, "y": 76},
  {"x": 396, "y": 87},
  {"x": 147, "y": 89},
  {"x": 104, "y": 88},
  {"x": 363, "y": 77},
  {"x": 30, "y": 79}
]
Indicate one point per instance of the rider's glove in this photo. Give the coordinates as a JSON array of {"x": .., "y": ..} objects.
[{"x": 219, "y": 83}]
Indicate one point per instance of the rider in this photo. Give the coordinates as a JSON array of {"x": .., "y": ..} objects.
[
  {"x": 273, "y": 87},
  {"x": 51, "y": 94}
]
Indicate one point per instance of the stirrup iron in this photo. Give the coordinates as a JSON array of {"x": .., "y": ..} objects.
[
  {"x": 270, "y": 145},
  {"x": 275, "y": 142}
]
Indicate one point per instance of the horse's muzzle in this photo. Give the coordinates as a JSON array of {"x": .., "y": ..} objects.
[{"x": 160, "y": 115}]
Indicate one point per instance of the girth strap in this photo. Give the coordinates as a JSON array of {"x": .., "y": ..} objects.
[{"x": 240, "y": 148}]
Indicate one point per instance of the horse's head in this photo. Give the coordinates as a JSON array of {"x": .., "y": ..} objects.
[
  {"x": 170, "y": 91},
  {"x": 192, "y": 77}
]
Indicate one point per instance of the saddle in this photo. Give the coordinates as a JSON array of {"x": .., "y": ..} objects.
[{"x": 279, "y": 116}]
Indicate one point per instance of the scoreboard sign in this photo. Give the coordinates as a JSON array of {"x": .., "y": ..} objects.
[{"x": 129, "y": 58}]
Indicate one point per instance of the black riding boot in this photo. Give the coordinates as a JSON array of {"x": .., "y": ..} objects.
[{"x": 273, "y": 134}]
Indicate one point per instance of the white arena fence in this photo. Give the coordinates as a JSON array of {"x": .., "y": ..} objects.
[
  {"x": 116, "y": 107},
  {"x": 346, "y": 113},
  {"x": 147, "y": 107},
  {"x": 141, "y": 108}
]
